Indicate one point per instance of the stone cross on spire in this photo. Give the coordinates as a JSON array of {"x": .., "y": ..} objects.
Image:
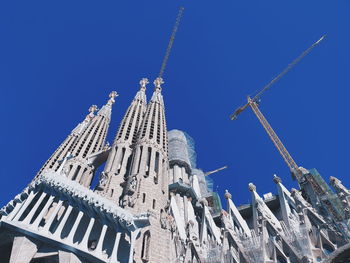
[
  {"x": 157, "y": 83},
  {"x": 91, "y": 114},
  {"x": 112, "y": 95},
  {"x": 143, "y": 83}
]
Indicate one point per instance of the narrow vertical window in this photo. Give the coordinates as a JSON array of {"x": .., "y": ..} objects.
[
  {"x": 76, "y": 173},
  {"x": 156, "y": 164},
  {"x": 140, "y": 157},
  {"x": 145, "y": 246},
  {"x": 143, "y": 197},
  {"x": 121, "y": 160},
  {"x": 154, "y": 204},
  {"x": 148, "y": 161}
]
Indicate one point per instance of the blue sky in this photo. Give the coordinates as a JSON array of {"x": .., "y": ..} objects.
[{"x": 59, "y": 57}]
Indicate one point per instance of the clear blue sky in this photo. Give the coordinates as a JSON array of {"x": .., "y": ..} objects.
[{"x": 59, "y": 57}]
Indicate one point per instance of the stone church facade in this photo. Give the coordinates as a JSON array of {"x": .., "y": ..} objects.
[{"x": 152, "y": 204}]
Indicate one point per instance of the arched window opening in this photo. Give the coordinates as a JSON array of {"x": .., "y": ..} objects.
[
  {"x": 140, "y": 157},
  {"x": 148, "y": 161},
  {"x": 121, "y": 160},
  {"x": 76, "y": 173},
  {"x": 156, "y": 164},
  {"x": 145, "y": 246}
]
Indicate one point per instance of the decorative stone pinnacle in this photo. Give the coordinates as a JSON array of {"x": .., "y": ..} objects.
[
  {"x": 143, "y": 83},
  {"x": 293, "y": 191},
  {"x": 93, "y": 108},
  {"x": 251, "y": 187},
  {"x": 112, "y": 95},
  {"x": 334, "y": 180},
  {"x": 277, "y": 179},
  {"x": 158, "y": 83},
  {"x": 227, "y": 195}
]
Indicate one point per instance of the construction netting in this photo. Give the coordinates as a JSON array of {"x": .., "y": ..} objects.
[{"x": 182, "y": 151}]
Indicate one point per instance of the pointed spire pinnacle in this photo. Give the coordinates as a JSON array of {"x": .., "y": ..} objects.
[
  {"x": 227, "y": 195},
  {"x": 143, "y": 83},
  {"x": 112, "y": 95},
  {"x": 106, "y": 109},
  {"x": 276, "y": 179},
  {"x": 158, "y": 83},
  {"x": 251, "y": 187},
  {"x": 81, "y": 126}
]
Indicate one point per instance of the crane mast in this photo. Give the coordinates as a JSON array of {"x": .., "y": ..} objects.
[{"x": 274, "y": 138}]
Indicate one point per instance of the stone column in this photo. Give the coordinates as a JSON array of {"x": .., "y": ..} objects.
[
  {"x": 24, "y": 206},
  {"x": 74, "y": 227},
  {"x": 133, "y": 236},
  {"x": 30, "y": 215},
  {"x": 177, "y": 173},
  {"x": 43, "y": 211},
  {"x": 184, "y": 175},
  {"x": 53, "y": 215},
  {"x": 114, "y": 255},
  {"x": 136, "y": 161},
  {"x": 80, "y": 173},
  {"x": 63, "y": 221},
  {"x": 101, "y": 239},
  {"x": 152, "y": 162},
  {"x": 171, "y": 176},
  {"x": 85, "y": 240},
  {"x": 15, "y": 210}
]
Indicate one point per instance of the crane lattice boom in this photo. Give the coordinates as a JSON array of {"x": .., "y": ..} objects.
[
  {"x": 273, "y": 136},
  {"x": 278, "y": 77}
]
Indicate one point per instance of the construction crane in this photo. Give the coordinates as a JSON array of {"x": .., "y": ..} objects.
[
  {"x": 253, "y": 103},
  {"x": 215, "y": 171},
  {"x": 171, "y": 41},
  {"x": 323, "y": 192}
]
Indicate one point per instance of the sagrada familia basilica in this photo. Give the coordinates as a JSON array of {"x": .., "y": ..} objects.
[{"x": 152, "y": 204}]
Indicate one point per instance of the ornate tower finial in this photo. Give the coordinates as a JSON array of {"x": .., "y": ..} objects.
[
  {"x": 158, "y": 83},
  {"x": 251, "y": 187},
  {"x": 143, "y": 83},
  {"x": 112, "y": 95},
  {"x": 227, "y": 195}
]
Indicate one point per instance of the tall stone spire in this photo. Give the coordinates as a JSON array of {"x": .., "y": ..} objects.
[
  {"x": 119, "y": 157},
  {"x": 147, "y": 185},
  {"x": 69, "y": 144},
  {"x": 80, "y": 167},
  {"x": 150, "y": 156}
]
